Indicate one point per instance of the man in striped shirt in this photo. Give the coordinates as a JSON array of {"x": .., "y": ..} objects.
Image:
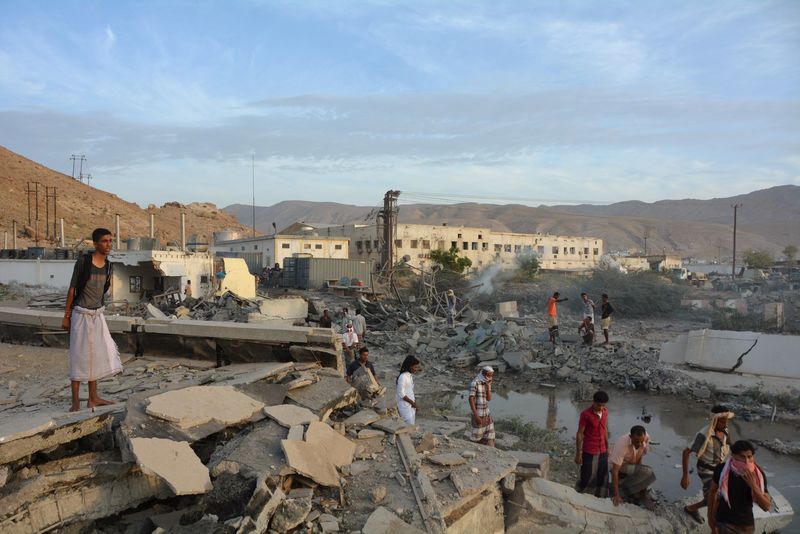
[{"x": 480, "y": 393}]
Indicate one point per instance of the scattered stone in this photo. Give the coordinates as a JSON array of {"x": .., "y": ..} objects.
[
  {"x": 378, "y": 494},
  {"x": 197, "y": 405},
  {"x": 296, "y": 433},
  {"x": 311, "y": 460},
  {"x": 289, "y": 415},
  {"x": 290, "y": 513},
  {"x": 362, "y": 418},
  {"x": 175, "y": 462},
  {"x": 393, "y": 426},
  {"x": 517, "y": 360},
  {"x": 339, "y": 449},
  {"x": 447, "y": 459},
  {"x": 369, "y": 433},
  {"x": 428, "y": 443},
  {"x": 382, "y": 521}
]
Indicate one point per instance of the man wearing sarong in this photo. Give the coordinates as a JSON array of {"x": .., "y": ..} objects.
[
  {"x": 711, "y": 445},
  {"x": 93, "y": 355},
  {"x": 480, "y": 393},
  {"x": 630, "y": 480},
  {"x": 591, "y": 447}
]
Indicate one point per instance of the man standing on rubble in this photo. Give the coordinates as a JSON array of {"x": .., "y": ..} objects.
[
  {"x": 606, "y": 311},
  {"x": 552, "y": 316},
  {"x": 187, "y": 291},
  {"x": 711, "y": 445},
  {"x": 630, "y": 480},
  {"x": 349, "y": 342},
  {"x": 451, "y": 300},
  {"x": 92, "y": 352},
  {"x": 360, "y": 326},
  {"x": 588, "y": 307},
  {"x": 361, "y": 361},
  {"x": 480, "y": 393},
  {"x": 591, "y": 446}
]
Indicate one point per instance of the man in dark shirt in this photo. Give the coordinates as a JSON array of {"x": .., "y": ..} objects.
[
  {"x": 325, "y": 320},
  {"x": 591, "y": 446},
  {"x": 737, "y": 485},
  {"x": 361, "y": 361},
  {"x": 606, "y": 311}
]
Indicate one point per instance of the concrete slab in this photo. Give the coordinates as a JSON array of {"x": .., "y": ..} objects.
[
  {"x": 517, "y": 360},
  {"x": 197, "y": 405},
  {"x": 393, "y": 426},
  {"x": 173, "y": 461},
  {"x": 268, "y": 394},
  {"x": 255, "y": 454},
  {"x": 330, "y": 393},
  {"x": 531, "y": 463},
  {"x": 339, "y": 449},
  {"x": 369, "y": 433},
  {"x": 311, "y": 460},
  {"x": 382, "y": 521},
  {"x": 435, "y": 426},
  {"x": 361, "y": 418},
  {"x": 296, "y": 433},
  {"x": 447, "y": 459},
  {"x": 289, "y": 415}
]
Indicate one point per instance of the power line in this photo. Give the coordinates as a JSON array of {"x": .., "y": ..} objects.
[{"x": 459, "y": 197}]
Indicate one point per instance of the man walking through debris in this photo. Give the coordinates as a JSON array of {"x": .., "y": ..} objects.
[
  {"x": 737, "y": 484},
  {"x": 325, "y": 320},
  {"x": 350, "y": 342},
  {"x": 711, "y": 445},
  {"x": 187, "y": 291},
  {"x": 591, "y": 447},
  {"x": 92, "y": 352},
  {"x": 552, "y": 316},
  {"x": 606, "y": 311},
  {"x": 277, "y": 272},
  {"x": 360, "y": 326},
  {"x": 630, "y": 480},
  {"x": 588, "y": 307},
  {"x": 586, "y": 331},
  {"x": 480, "y": 393},
  {"x": 406, "y": 401},
  {"x": 451, "y": 300}
]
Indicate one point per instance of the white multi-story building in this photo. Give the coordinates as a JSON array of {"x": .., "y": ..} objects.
[{"x": 266, "y": 251}]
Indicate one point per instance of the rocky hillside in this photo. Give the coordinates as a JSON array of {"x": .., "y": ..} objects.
[{"x": 84, "y": 207}]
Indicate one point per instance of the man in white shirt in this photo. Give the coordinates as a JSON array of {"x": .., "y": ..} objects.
[
  {"x": 630, "y": 480},
  {"x": 349, "y": 342}
]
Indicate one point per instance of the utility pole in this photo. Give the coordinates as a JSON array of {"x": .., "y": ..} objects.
[
  {"x": 79, "y": 157},
  {"x": 733, "y": 268},
  {"x": 389, "y": 215},
  {"x": 254, "y": 193},
  {"x": 88, "y": 179},
  {"x": 646, "y": 234}
]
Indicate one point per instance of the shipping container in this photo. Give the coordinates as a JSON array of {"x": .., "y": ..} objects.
[{"x": 315, "y": 273}]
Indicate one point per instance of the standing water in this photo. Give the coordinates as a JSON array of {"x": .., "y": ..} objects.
[{"x": 673, "y": 424}]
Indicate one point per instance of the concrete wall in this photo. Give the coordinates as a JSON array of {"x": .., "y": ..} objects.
[
  {"x": 773, "y": 355},
  {"x": 274, "y": 249},
  {"x": 55, "y": 273}
]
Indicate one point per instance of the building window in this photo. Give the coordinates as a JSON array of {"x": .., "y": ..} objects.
[
  {"x": 426, "y": 244},
  {"x": 554, "y": 250},
  {"x": 359, "y": 244},
  {"x": 135, "y": 284},
  {"x": 231, "y": 249},
  {"x": 585, "y": 251},
  {"x": 480, "y": 236},
  {"x": 498, "y": 248},
  {"x": 242, "y": 247},
  {"x": 596, "y": 251},
  {"x": 517, "y": 249},
  {"x": 337, "y": 247},
  {"x": 566, "y": 251},
  {"x": 398, "y": 243},
  {"x": 507, "y": 248},
  {"x": 540, "y": 250},
  {"x": 203, "y": 278},
  {"x": 459, "y": 236},
  {"x": 484, "y": 246},
  {"x": 414, "y": 243},
  {"x": 454, "y": 244},
  {"x": 440, "y": 245},
  {"x": 572, "y": 250},
  {"x": 306, "y": 246},
  {"x": 318, "y": 246},
  {"x": 255, "y": 247},
  {"x": 474, "y": 245},
  {"x": 465, "y": 245},
  {"x": 285, "y": 245}
]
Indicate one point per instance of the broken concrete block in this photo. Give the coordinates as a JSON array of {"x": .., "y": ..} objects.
[
  {"x": 155, "y": 313},
  {"x": 255, "y": 454},
  {"x": 290, "y": 513},
  {"x": 447, "y": 459},
  {"x": 428, "y": 443},
  {"x": 517, "y": 360},
  {"x": 197, "y": 405},
  {"x": 175, "y": 462},
  {"x": 377, "y": 494},
  {"x": 507, "y": 309},
  {"x": 382, "y": 521},
  {"x": 330, "y": 393},
  {"x": 290, "y": 415},
  {"x": 366, "y": 385},
  {"x": 393, "y": 426},
  {"x": 369, "y": 433},
  {"x": 339, "y": 449},
  {"x": 531, "y": 464},
  {"x": 361, "y": 418},
  {"x": 296, "y": 433},
  {"x": 311, "y": 460}
]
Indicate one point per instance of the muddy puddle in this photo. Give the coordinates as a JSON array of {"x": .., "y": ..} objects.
[{"x": 672, "y": 425}]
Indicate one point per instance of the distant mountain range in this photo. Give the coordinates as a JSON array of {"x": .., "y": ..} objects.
[{"x": 769, "y": 219}]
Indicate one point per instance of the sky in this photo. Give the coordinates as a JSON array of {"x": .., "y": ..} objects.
[{"x": 502, "y": 101}]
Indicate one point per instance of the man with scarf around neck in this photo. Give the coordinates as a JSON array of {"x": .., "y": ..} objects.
[
  {"x": 480, "y": 393},
  {"x": 711, "y": 445},
  {"x": 737, "y": 484}
]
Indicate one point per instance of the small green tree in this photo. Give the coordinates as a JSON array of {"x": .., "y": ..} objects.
[
  {"x": 790, "y": 252},
  {"x": 529, "y": 266},
  {"x": 758, "y": 259},
  {"x": 450, "y": 261}
]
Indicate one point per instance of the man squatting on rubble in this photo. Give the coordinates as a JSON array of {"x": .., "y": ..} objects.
[
  {"x": 406, "y": 402},
  {"x": 711, "y": 445},
  {"x": 586, "y": 331},
  {"x": 480, "y": 393},
  {"x": 552, "y": 316},
  {"x": 606, "y": 311},
  {"x": 630, "y": 480},
  {"x": 591, "y": 447},
  {"x": 92, "y": 352},
  {"x": 736, "y": 485}
]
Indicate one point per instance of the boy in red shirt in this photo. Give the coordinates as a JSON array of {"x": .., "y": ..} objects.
[{"x": 591, "y": 447}]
